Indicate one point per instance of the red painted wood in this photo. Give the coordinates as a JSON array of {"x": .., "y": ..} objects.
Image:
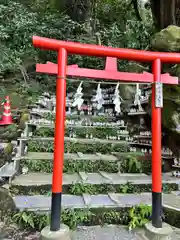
[
  {"x": 106, "y": 74},
  {"x": 103, "y": 51}
]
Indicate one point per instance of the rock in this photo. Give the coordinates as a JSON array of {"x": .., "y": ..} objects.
[
  {"x": 176, "y": 119},
  {"x": 5, "y": 153},
  {"x": 9, "y": 133},
  {"x": 170, "y": 117},
  {"x": 126, "y": 92},
  {"x": 136, "y": 67},
  {"x": 33, "y": 236},
  {"x": 167, "y": 40},
  {"x": 24, "y": 118},
  {"x": 8, "y": 148},
  {"x": 6, "y": 201}
]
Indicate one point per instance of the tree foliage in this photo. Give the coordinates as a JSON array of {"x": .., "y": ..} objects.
[
  {"x": 113, "y": 20},
  {"x": 18, "y": 24},
  {"x": 117, "y": 23}
]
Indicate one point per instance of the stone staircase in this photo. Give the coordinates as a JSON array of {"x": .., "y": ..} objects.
[
  {"x": 100, "y": 174},
  {"x": 8, "y": 170}
]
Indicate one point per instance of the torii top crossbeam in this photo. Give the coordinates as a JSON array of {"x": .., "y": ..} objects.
[
  {"x": 109, "y": 73},
  {"x": 112, "y": 54},
  {"x": 101, "y": 51}
]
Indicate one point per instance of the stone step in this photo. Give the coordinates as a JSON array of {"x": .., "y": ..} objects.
[
  {"x": 75, "y": 140},
  {"x": 8, "y": 170},
  {"x": 80, "y": 156},
  {"x": 48, "y": 125},
  {"x": 113, "y": 144},
  {"x": 137, "y": 113},
  {"x": 41, "y": 203},
  {"x": 76, "y": 162},
  {"x": 72, "y": 145},
  {"x": 111, "y": 200},
  {"x": 83, "y": 140},
  {"x": 43, "y": 113},
  {"x": 44, "y": 179},
  {"x": 81, "y": 131},
  {"x": 140, "y": 154}
]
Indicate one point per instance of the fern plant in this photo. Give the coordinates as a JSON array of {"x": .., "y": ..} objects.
[
  {"x": 139, "y": 216},
  {"x": 131, "y": 165}
]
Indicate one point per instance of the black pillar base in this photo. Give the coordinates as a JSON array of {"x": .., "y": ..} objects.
[
  {"x": 157, "y": 209},
  {"x": 55, "y": 211}
]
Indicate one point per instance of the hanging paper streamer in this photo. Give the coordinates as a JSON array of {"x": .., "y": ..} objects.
[
  {"x": 78, "y": 100},
  {"x": 99, "y": 97},
  {"x": 117, "y": 99},
  {"x": 138, "y": 96}
]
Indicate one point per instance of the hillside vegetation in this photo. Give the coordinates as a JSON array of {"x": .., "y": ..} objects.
[{"x": 114, "y": 23}]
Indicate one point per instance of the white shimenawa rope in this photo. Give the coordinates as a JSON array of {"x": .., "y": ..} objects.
[
  {"x": 138, "y": 96},
  {"x": 99, "y": 97},
  {"x": 117, "y": 99},
  {"x": 78, "y": 100}
]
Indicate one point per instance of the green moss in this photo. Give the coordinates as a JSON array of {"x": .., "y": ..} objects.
[
  {"x": 172, "y": 217},
  {"x": 125, "y": 164},
  {"x": 96, "y": 132},
  {"x": 71, "y": 166},
  {"x": 132, "y": 164},
  {"x": 167, "y": 39},
  {"x": 75, "y": 217},
  {"x": 80, "y": 188},
  {"x": 167, "y": 113},
  {"x": 132, "y": 217},
  {"x": 72, "y": 218},
  {"x": 34, "y": 146},
  {"x": 44, "y": 132},
  {"x": 51, "y": 117},
  {"x": 171, "y": 104},
  {"x": 9, "y": 133}
]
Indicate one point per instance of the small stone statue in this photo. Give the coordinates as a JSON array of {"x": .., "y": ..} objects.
[
  {"x": 25, "y": 170},
  {"x": 175, "y": 162}
]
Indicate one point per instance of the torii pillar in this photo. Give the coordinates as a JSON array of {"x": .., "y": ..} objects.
[{"x": 110, "y": 73}]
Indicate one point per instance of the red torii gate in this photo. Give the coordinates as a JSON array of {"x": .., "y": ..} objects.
[
  {"x": 62, "y": 70},
  {"x": 110, "y": 73}
]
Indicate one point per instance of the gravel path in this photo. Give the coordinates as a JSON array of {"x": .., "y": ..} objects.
[{"x": 109, "y": 232}]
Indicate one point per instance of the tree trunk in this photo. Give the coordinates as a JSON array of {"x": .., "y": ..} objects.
[
  {"x": 165, "y": 12},
  {"x": 78, "y": 10}
]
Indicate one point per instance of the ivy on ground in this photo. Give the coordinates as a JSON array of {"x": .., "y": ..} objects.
[
  {"x": 133, "y": 217},
  {"x": 74, "y": 147},
  {"x": 81, "y": 188}
]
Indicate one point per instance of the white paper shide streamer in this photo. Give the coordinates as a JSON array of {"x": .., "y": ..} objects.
[
  {"x": 138, "y": 97},
  {"x": 117, "y": 100},
  {"x": 78, "y": 100},
  {"x": 99, "y": 97}
]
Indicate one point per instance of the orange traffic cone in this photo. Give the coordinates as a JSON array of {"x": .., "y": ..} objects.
[{"x": 6, "y": 117}]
